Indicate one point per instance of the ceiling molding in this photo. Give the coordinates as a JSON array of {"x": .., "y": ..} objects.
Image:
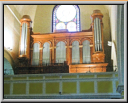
[{"x": 13, "y": 13}]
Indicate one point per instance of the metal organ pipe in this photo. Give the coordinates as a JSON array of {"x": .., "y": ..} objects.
[
  {"x": 100, "y": 36},
  {"x": 25, "y": 44},
  {"x": 25, "y": 32},
  {"x": 97, "y": 34},
  {"x": 23, "y": 39}
]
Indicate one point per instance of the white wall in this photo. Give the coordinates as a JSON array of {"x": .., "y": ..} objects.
[{"x": 113, "y": 24}]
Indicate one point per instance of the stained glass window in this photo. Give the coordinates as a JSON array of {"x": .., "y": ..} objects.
[{"x": 66, "y": 17}]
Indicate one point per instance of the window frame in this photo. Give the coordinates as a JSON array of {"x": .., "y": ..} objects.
[{"x": 77, "y": 13}]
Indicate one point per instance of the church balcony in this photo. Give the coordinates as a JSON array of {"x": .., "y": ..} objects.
[{"x": 62, "y": 86}]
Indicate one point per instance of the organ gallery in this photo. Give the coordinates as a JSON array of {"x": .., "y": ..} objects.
[{"x": 62, "y": 51}]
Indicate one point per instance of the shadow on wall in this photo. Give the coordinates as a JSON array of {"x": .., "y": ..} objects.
[
  {"x": 8, "y": 70},
  {"x": 111, "y": 67}
]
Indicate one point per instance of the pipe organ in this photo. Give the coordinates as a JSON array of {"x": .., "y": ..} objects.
[
  {"x": 24, "y": 51},
  {"x": 81, "y": 51},
  {"x": 97, "y": 35},
  {"x": 97, "y": 29}
]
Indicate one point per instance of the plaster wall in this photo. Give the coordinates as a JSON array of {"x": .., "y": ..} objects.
[{"x": 11, "y": 36}]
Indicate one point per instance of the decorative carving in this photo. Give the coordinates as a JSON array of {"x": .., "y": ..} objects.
[
  {"x": 98, "y": 57},
  {"x": 86, "y": 38},
  {"x": 75, "y": 39},
  {"x": 61, "y": 39},
  {"x": 31, "y": 42}
]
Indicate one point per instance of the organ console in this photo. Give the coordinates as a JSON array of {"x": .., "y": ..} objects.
[{"x": 82, "y": 51}]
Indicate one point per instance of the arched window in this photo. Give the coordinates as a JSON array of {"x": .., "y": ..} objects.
[{"x": 66, "y": 17}]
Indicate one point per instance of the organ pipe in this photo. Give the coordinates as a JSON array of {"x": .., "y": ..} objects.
[
  {"x": 24, "y": 49},
  {"x": 97, "y": 29},
  {"x": 23, "y": 39},
  {"x": 100, "y": 36},
  {"x": 97, "y": 35}
]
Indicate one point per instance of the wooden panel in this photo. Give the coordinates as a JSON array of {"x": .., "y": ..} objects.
[
  {"x": 68, "y": 38},
  {"x": 61, "y": 35},
  {"x": 83, "y": 68},
  {"x": 98, "y": 57}
]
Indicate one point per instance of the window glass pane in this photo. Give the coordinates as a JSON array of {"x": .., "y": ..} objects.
[
  {"x": 71, "y": 26},
  {"x": 66, "y": 13},
  {"x": 60, "y": 26}
]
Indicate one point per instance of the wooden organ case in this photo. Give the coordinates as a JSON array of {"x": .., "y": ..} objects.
[{"x": 94, "y": 35}]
